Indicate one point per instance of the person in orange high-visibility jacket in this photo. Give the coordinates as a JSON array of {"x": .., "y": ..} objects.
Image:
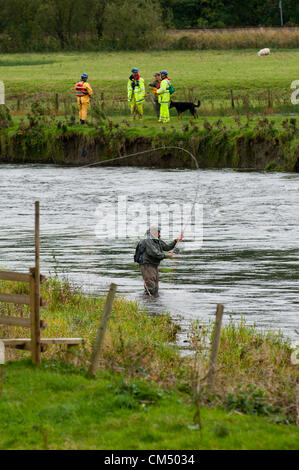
[
  {"x": 83, "y": 93},
  {"x": 136, "y": 92}
]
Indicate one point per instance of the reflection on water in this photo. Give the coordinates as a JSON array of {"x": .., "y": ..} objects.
[{"x": 249, "y": 257}]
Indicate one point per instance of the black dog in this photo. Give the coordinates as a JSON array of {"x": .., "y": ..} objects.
[{"x": 182, "y": 106}]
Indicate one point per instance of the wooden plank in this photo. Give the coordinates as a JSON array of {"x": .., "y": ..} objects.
[
  {"x": 70, "y": 341},
  {"x": 215, "y": 346},
  {"x": 17, "y": 277},
  {"x": 18, "y": 321},
  {"x": 15, "y": 298},
  {"x": 15, "y": 321},
  {"x": 14, "y": 342}
]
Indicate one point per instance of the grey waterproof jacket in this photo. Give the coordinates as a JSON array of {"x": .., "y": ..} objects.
[{"x": 153, "y": 250}]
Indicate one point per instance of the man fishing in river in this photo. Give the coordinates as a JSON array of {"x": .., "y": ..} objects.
[{"x": 149, "y": 253}]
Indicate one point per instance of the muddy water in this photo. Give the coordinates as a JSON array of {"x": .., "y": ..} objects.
[{"x": 248, "y": 259}]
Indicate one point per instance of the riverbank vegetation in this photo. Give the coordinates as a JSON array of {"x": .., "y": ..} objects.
[
  {"x": 144, "y": 378},
  {"x": 227, "y": 142}
]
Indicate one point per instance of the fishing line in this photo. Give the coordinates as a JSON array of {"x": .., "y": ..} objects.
[{"x": 156, "y": 149}]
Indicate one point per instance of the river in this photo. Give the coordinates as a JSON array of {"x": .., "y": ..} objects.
[{"x": 247, "y": 259}]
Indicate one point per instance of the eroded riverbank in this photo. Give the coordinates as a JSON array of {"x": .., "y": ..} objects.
[{"x": 252, "y": 148}]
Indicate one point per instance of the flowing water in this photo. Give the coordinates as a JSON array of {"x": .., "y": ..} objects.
[{"x": 248, "y": 259}]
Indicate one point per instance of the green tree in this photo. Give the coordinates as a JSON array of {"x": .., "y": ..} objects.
[
  {"x": 100, "y": 6},
  {"x": 18, "y": 21},
  {"x": 66, "y": 18},
  {"x": 132, "y": 25}
]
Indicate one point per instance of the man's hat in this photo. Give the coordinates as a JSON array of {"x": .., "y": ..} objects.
[
  {"x": 134, "y": 70},
  {"x": 84, "y": 75},
  {"x": 164, "y": 72}
]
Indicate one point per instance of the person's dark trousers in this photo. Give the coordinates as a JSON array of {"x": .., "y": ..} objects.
[
  {"x": 150, "y": 276},
  {"x": 157, "y": 108}
]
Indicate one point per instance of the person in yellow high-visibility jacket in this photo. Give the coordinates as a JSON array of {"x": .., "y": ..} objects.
[
  {"x": 136, "y": 92},
  {"x": 164, "y": 97},
  {"x": 83, "y": 93}
]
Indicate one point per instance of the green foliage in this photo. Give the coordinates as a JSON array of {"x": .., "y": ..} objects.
[
  {"x": 250, "y": 400},
  {"x": 271, "y": 166},
  {"x": 5, "y": 117},
  {"x": 131, "y": 25},
  {"x": 35, "y": 25},
  {"x": 97, "y": 113}
]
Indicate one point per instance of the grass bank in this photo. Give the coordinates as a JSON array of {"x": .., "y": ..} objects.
[
  {"x": 257, "y": 143},
  {"x": 55, "y": 407},
  {"x": 146, "y": 394}
]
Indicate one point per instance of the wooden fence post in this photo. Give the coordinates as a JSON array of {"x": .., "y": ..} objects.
[
  {"x": 269, "y": 98},
  {"x": 99, "y": 341},
  {"x": 34, "y": 348},
  {"x": 215, "y": 346},
  {"x": 232, "y": 98},
  {"x": 56, "y": 102},
  {"x": 35, "y": 296}
]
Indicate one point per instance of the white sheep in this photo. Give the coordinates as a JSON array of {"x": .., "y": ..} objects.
[{"x": 265, "y": 51}]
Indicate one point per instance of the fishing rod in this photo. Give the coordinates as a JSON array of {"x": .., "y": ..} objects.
[{"x": 175, "y": 250}]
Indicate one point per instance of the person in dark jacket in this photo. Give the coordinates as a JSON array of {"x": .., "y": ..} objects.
[
  {"x": 155, "y": 85},
  {"x": 153, "y": 251}
]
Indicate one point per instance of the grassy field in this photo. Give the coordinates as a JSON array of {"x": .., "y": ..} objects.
[
  {"x": 210, "y": 73},
  {"x": 57, "y": 407}
]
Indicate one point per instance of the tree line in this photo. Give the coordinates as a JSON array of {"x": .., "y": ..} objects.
[{"x": 33, "y": 25}]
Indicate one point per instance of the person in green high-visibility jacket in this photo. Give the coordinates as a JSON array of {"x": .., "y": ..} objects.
[
  {"x": 164, "y": 97},
  {"x": 136, "y": 92}
]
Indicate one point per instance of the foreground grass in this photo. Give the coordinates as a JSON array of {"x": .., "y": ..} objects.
[
  {"x": 208, "y": 73},
  {"x": 55, "y": 407},
  {"x": 146, "y": 393}
]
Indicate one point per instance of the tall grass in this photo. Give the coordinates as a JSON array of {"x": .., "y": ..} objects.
[
  {"x": 241, "y": 39},
  {"x": 254, "y": 371},
  {"x": 136, "y": 343}
]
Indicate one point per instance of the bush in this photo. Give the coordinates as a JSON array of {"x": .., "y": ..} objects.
[{"x": 132, "y": 25}]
